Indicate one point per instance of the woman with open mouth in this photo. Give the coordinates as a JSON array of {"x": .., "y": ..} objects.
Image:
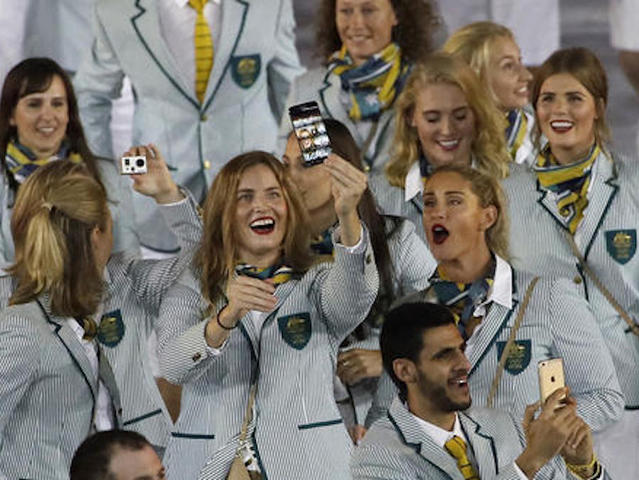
[
  {"x": 443, "y": 117},
  {"x": 492, "y": 52},
  {"x": 254, "y": 314},
  {"x": 403, "y": 262},
  {"x": 466, "y": 225},
  {"x": 575, "y": 216}
]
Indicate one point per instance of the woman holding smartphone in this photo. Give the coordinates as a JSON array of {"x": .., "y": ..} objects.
[
  {"x": 254, "y": 313},
  {"x": 582, "y": 200},
  {"x": 492, "y": 52},
  {"x": 466, "y": 225},
  {"x": 368, "y": 48}
]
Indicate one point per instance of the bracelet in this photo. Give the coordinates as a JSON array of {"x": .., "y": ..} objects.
[
  {"x": 217, "y": 319},
  {"x": 581, "y": 470}
]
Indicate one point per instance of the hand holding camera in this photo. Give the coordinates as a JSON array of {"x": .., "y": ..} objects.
[{"x": 150, "y": 174}]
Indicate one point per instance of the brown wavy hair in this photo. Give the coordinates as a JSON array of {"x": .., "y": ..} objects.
[
  {"x": 34, "y": 75},
  {"x": 217, "y": 254},
  {"x": 416, "y": 22},
  {"x": 586, "y": 67},
  {"x": 56, "y": 209},
  {"x": 489, "y": 192}
]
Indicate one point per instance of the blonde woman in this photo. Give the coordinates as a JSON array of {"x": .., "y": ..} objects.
[
  {"x": 443, "y": 117},
  {"x": 492, "y": 52}
]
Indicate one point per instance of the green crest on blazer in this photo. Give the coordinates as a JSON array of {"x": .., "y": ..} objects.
[
  {"x": 296, "y": 329},
  {"x": 111, "y": 329},
  {"x": 519, "y": 357},
  {"x": 621, "y": 244},
  {"x": 245, "y": 69}
]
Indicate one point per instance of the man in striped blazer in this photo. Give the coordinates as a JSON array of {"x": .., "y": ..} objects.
[{"x": 430, "y": 432}]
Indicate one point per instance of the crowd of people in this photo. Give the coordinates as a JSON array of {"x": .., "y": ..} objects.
[{"x": 234, "y": 311}]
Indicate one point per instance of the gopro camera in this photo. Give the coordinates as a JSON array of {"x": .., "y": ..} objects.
[{"x": 133, "y": 165}]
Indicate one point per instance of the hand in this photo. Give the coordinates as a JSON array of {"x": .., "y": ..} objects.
[
  {"x": 356, "y": 432},
  {"x": 357, "y": 364},
  {"x": 347, "y": 186},
  {"x": 547, "y": 435},
  {"x": 244, "y": 294},
  {"x": 578, "y": 449},
  {"x": 157, "y": 182}
]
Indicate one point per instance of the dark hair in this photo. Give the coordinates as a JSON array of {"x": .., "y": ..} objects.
[
  {"x": 344, "y": 145},
  {"x": 416, "y": 22},
  {"x": 402, "y": 334},
  {"x": 92, "y": 458},
  {"x": 34, "y": 75}
]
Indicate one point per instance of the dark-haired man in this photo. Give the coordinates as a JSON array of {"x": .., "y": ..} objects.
[
  {"x": 116, "y": 455},
  {"x": 430, "y": 433}
]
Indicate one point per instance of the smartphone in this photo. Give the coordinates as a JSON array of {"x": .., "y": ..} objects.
[
  {"x": 310, "y": 132},
  {"x": 551, "y": 377}
]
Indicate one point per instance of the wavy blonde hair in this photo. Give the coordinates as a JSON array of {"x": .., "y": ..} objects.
[
  {"x": 55, "y": 211},
  {"x": 489, "y": 144},
  {"x": 474, "y": 43},
  {"x": 217, "y": 254},
  {"x": 489, "y": 192}
]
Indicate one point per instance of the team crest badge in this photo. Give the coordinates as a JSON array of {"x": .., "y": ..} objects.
[
  {"x": 519, "y": 356},
  {"x": 296, "y": 329},
  {"x": 111, "y": 329},
  {"x": 621, "y": 244},
  {"x": 245, "y": 69}
]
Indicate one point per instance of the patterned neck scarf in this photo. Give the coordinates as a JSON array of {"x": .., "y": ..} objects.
[
  {"x": 461, "y": 298},
  {"x": 22, "y": 162},
  {"x": 372, "y": 86},
  {"x": 516, "y": 130},
  {"x": 323, "y": 244},
  {"x": 569, "y": 182},
  {"x": 277, "y": 273},
  {"x": 89, "y": 326}
]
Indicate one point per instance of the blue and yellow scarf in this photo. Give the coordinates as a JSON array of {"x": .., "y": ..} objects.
[
  {"x": 277, "y": 273},
  {"x": 372, "y": 86},
  {"x": 516, "y": 130},
  {"x": 22, "y": 162},
  {"x": 569, "y": 182}
]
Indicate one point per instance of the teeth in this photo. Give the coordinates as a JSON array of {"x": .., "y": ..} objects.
[
  {"x": 439, "y": 229},
  {"x": 560, "y": 124},
  {"x": 523, "y": 90},
  {"x": 46, "y": 130},
  {"x": 263, "y": 222},
  {"x": 449, "y": 144}
]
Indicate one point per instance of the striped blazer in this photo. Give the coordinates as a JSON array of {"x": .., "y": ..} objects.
[
  {"x": 48, "y": 392},
  {"x": 322, "y": 86},
  {"x": 413, "y": 264},
  {"x": 130, "y": 309},
  {"x": 607, "y": 239},
  {"x": 557, "y": 323},
  {"x": 292, "y": 357}
]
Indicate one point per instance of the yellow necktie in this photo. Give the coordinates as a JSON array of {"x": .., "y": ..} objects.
[
  {"x": 203, "y": 49},
  {"x": 457, "y": 448}
]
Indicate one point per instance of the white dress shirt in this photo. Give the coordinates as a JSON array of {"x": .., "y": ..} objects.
[{"x": 177, "y": 26}]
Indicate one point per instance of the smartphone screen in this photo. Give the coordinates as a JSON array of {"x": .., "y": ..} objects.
[
  {"x": 551, "y": 377},
  {"x": 311, "y": 133}
]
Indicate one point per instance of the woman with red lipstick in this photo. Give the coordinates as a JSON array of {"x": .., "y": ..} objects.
[
  {"x": 466, "y": 225},
  {"x": 403, "y": 262},
  {"x": 368, "y": 48},
  {"x": 492, "y": 52},
  {"x": 582, "y": 199},
  {"x": 39, "y": 123},
  {"x": 443, "y": 117},
  {"x": 254, "y": 312}
]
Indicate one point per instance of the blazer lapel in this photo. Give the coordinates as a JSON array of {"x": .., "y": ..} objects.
[
  {"x": 413, "y": 435},
  {"x": 483, "y": 446},
  {"x": 377, "y": 145},
  {"x": 147, "y": 27},
  {"x": 108, "y": 378},
  {"x": 233, "y": 22},
  {"x": 329, "y": 95}
]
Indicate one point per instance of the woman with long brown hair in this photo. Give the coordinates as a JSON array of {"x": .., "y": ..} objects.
[{"x": 254, "y": 313}]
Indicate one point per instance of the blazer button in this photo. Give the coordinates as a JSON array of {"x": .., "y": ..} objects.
[
  {"x": 196, "y": 357},
  {"x": 577, "y": 279},
  {"x": 369, "y": 259},
  {"x": 204, "y": 117},
  {"x": 367, "y": 168},
  {"x": 207, "y": 165}
]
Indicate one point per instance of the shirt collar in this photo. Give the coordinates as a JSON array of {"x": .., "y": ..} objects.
[
  {"x": 502, "y": 290},
  {"x": 413, "y": 184},
  {"x": 438, "y": 434}
]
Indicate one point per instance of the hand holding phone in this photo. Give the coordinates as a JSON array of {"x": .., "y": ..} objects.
[{"x": 310, "y": 132}]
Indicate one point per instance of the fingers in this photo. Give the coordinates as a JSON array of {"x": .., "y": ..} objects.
[
  {"x": 247, "y": 293},
  {"x": 529, "y": 415},
  {"x": 554, "y": 401}
]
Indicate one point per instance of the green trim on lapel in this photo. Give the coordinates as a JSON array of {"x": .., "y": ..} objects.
[
  {"x": 321, "y": 93},
  {"x": 615, "y": 190},
  {"x": 583, "y": 280},
  {"x": 327, "y": 423},
  {"x": 540, "y": 201},
  {"x": 246, "y": 6},
  {"x": 417, "y": 204},
  {"x": 380, "y": 135},
  {"x": 142, "y": 417},
  {"x": 501, "y": 327},
  {"x": 192, "y": 436},
  {"x": 134, "y": 20},
  {"x": 487, "y": 437},
  {"x": 259, "y": 458}
]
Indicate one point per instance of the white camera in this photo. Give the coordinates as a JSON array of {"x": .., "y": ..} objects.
[{"x": 133, "y": 165}]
